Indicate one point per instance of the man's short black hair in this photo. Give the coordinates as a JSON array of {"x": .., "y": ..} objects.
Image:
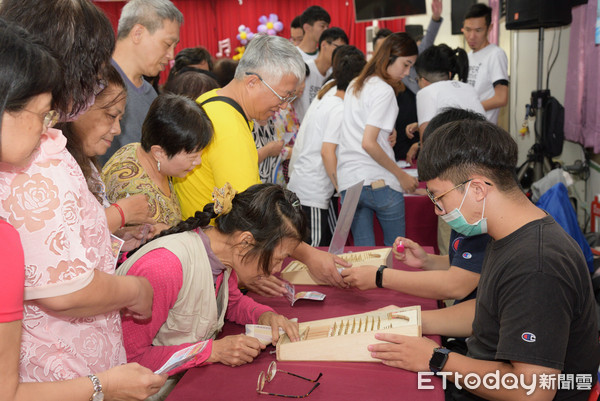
[
  {"x": 331, "y": 34},
  {"x": 449, "y": 115},
  {"x": 479, "y": 10},
  {"x": 381, "y": 34},
  {"x": 296, "y": 22},
  {"x": 458, "y": 150},
  {"x": 193, "y": 55},
  {"x": 313, "y": 14}
]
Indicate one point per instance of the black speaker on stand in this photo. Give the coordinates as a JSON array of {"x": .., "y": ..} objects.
[{"x": 537, "y": 14}]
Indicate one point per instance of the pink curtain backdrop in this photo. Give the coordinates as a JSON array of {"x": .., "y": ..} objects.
[
  {"x": 494, "y": 33},
  {"x": 208, "y": 21},
  {"x": 582, "y": 97}
]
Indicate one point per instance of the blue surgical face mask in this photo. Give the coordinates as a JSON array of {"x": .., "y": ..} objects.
[{"x": 458, "y": 223}]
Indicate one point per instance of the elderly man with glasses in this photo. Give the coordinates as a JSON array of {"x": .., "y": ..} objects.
[{"x": 266, "y": 80}]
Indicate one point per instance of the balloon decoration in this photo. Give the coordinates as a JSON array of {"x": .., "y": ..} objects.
[
  {"x": 240, "y": 52},
  {"x": 244, "y": 35},
  {"x": 270, "y": 25}
]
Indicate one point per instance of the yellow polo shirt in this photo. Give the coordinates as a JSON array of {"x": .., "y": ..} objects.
[{"x": 230, "y": 157}]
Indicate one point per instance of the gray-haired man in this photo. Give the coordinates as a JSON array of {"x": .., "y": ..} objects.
[
  {"x": 266, "y": 80},
  {"x": 147, "y": 35}
]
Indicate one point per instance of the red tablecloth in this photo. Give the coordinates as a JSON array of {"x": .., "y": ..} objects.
[
  {"x": 341, "y": 380},
  {"x": 421, "y": 220}
]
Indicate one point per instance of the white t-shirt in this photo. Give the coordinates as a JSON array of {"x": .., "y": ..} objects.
[
  {"x": 375, "y": 106},
  {"x": 432, "y": 99},
  {"x": 309, "y": 178},
  {"x": 306, "y": 56},
  {"x": 299, "y": 143},
  {"x": 313, "y": 83},
  {"x": 487, "y": 66}
]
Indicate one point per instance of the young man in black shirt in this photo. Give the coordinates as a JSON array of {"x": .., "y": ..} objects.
[{"x": 534, "y": 317}]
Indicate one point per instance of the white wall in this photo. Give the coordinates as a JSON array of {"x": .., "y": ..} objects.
[{"x": 521, "y": 47}]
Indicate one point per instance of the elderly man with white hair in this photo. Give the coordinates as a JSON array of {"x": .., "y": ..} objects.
[{"x": 266, "y": 80}]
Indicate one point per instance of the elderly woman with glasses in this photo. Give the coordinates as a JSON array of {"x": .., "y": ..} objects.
[
  {"x": 266, "y": 80},
  {"x": 59, "y": 304}
]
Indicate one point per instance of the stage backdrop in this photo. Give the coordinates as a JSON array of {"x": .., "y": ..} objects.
[{"x": 206, "y": 22}]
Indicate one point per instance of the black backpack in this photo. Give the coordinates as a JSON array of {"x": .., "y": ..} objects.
[{"x": 553, "y": 123}]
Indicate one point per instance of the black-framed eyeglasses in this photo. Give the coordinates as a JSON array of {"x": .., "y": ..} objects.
[
  {"x": 282, "y": 100},
  {"x": 435, "y": 199},
  {"x": 49, "y": 119},
  {"x": 270, "y": 374}
]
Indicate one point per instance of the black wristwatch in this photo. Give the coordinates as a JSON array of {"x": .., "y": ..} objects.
[
  {"x": 379, "y": 276},
  {"x": 438, "y": 359}
]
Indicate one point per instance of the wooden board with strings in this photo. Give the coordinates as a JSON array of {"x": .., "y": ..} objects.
[
  {"x": 297, "y": 272},
  {"x": 346, "y": 338}
]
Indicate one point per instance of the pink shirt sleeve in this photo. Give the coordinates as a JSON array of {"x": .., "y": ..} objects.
[
  {"x": 12, "y": 270},
  {"x": 163, "y": 269}
]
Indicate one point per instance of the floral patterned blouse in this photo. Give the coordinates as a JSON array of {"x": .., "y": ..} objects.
[
  {"x": 123, "y": 175},
  {"x": 65, "y": 237}
]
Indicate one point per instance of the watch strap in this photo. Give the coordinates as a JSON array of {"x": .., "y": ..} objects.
[
  {"x": 379, "y": 276},
  {"x": 438, "y": 359}
]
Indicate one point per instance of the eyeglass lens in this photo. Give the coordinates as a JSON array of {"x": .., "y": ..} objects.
[
  {"x": 270, "y": 374},
  {"x": 261, "y": 381}
]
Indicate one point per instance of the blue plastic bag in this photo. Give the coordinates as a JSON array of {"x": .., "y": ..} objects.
[{"x": 556, "y": 202}]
